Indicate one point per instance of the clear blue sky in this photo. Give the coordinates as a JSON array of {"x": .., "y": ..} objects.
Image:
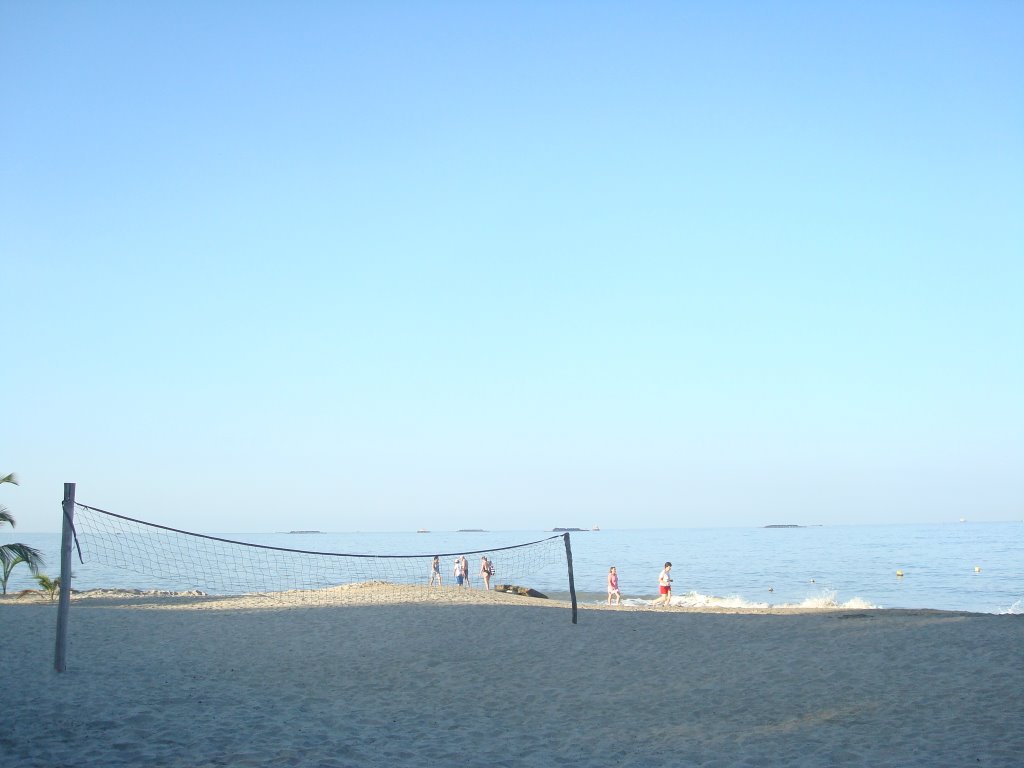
[{"x": 382, "y": 266}]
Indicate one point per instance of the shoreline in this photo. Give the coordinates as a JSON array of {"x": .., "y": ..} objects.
[{"x": 371, "y": 593}]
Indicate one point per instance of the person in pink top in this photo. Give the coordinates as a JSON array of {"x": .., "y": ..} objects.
[{"x": 613, "y": 586}]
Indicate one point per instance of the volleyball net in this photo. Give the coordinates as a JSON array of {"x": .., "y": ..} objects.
[{"x": 173, "y": 560}]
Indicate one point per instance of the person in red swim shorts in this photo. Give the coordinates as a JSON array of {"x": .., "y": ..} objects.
[{"x": 664, "y": 586}]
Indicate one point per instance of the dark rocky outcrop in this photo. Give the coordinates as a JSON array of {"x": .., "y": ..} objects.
[{"x": 517, "y": 590}]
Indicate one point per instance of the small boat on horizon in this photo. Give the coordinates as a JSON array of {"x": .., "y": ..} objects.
[
  {"x": 422, "y": 530},
  {"x": 596, "y": 528}
]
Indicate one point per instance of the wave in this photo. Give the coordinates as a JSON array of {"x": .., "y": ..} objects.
[
  {"x": 697, "y": 600},
  {"x": 826, "y": 600},
  {"x": 1016, "y": 609}
]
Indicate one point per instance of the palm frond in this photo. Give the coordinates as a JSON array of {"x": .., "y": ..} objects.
[
  {"x": 9, "y": 553},
  {"x": 11, "y": 478}
]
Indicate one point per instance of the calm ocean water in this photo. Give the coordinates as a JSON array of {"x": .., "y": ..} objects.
[{"x": 966, "y": 566}]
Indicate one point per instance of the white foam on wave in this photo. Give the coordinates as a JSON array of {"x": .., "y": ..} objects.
[
  {"x": 636, "y": 602},
  {"x": 697, "y": 600},
  {"x": 828, "y": 599},
  {"x": 1016, "y": 609}
]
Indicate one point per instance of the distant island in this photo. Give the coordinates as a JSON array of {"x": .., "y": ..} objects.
[
  {"x": 471, "y": 530},
  {"x": 305, "y": 531},
  {"x": 566, "y": 530},
  {"x": 784, "y": 526}
]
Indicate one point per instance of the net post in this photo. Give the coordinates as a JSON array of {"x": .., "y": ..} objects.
[
  {"x": 572, "y": 581},
  {"x": 65, "y": 577}
]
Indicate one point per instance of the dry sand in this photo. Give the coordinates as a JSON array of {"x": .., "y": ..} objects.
[{"x": 495, "y": 680}]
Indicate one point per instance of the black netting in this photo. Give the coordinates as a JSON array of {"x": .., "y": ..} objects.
[{"x": 223, "y": 567}]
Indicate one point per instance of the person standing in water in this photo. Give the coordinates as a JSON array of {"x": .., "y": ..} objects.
[
  {"x": 613, "y": 586},
  {"x": 664, "y": 586}
]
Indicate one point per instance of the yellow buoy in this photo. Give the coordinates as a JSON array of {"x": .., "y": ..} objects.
[
  {"x": 899, "y": 573},
  {"x": 977, "y": 569}
]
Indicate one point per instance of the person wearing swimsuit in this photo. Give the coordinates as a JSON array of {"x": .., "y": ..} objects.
[
  {"x": 664, "y": 586},
  {"x": 613, "y": 586},
  {"x": 485, "y": 571}
]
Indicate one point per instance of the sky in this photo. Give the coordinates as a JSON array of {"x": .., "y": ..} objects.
[{"x": 389, "y": 266}]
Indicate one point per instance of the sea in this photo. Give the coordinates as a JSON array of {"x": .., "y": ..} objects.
[{"x": 966, "y": 566}]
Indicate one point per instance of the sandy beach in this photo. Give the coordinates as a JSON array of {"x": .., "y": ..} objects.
[{"x": 498, "y": 680}]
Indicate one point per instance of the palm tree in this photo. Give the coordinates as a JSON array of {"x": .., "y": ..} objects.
[
  {"x": 15, "y": 554},
  {"x": 47, "y": 586}
]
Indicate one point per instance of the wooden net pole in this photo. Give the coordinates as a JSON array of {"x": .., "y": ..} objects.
[
  {"x": 572, "y": 581},
  {"x": 65, "y": 577}
]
